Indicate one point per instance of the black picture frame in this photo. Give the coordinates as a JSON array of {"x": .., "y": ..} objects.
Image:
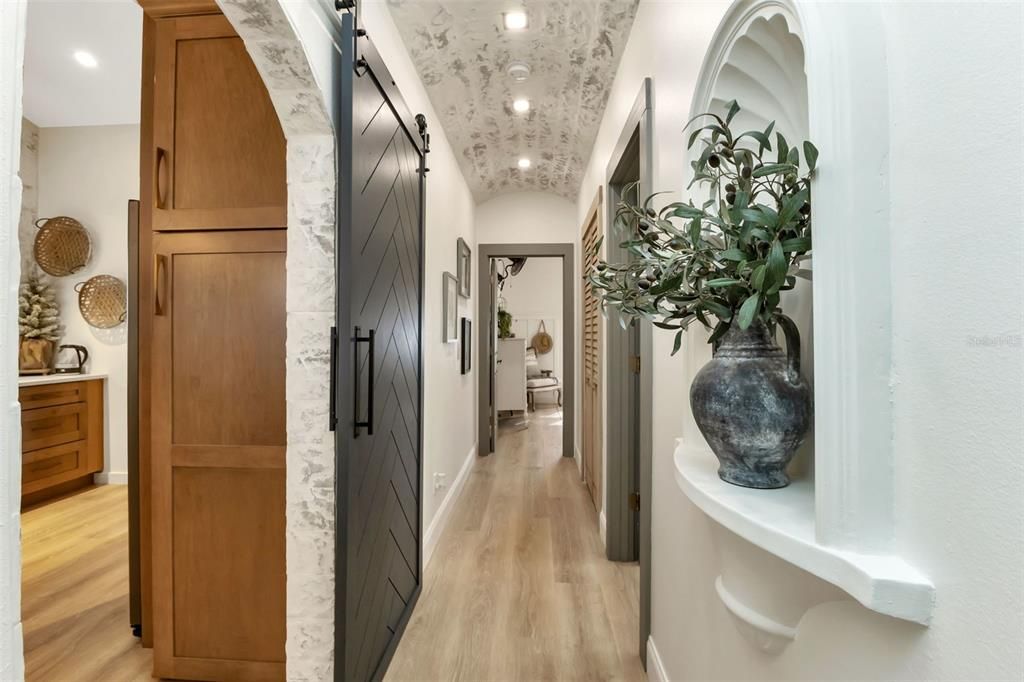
[
  {"x": 467, "y": 345},
  {"x": 464, "y": 260}
]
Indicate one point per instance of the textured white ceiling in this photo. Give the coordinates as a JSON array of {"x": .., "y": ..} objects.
[
  {"x": 59, "y": 91},
  {"x": 462, "y": 52}
]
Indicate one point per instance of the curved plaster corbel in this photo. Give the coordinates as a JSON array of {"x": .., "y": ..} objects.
[{"x": 765, "y": 634}]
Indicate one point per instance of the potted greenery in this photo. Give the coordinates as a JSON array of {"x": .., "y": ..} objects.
[
  {"x": 39, "y": 326},
  {"x": 725, "y": 263}
]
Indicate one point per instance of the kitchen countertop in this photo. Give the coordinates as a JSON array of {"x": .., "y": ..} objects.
[{"x": 43, "y": 379}]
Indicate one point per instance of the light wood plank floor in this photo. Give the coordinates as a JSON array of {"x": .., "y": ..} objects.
[
  {"x": 74, "y": 603},
  {"x": 519, "y": 588}
]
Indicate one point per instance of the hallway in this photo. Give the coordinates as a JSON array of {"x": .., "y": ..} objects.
[{"x": 518, "y": 587}]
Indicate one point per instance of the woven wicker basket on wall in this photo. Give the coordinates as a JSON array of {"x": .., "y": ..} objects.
[
  {"x": 102, "y": 300},
  {"x": 62, "y": 246}
]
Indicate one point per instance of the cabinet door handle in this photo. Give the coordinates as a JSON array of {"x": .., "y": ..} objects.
[
  {"x": 161, "y": 178},
  {"x": 159, "y": 283}
]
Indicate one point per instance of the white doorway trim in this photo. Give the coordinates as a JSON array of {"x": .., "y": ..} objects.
[{"x": 12, "y": 53}]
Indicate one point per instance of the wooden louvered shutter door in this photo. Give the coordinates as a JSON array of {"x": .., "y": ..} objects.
[{"x": 592, "y": 360}]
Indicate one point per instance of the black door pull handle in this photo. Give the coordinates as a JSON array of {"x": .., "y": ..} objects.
[
  {"x": 368, "y": 423},
  {"x": 333, "y": 418}
]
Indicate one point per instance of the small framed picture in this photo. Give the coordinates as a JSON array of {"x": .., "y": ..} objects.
[
  {"x": 465, "y": 260},
  {"x": 450, "y": 308},
  {"x": 467, "y": 345}
]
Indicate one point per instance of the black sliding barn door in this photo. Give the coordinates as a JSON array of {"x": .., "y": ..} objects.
[{"x": 378, "y": 364}]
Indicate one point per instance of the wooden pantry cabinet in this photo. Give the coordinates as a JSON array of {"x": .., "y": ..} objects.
[
  {"x": 217, "y": 150},
  {"x": 211, "y": 352}
]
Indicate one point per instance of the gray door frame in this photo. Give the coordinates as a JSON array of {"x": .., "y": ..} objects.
[
  {"x": 565, "y": 251},
  {"x": 628, "y": 438}
]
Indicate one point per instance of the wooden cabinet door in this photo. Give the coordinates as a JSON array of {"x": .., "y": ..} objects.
[
  {"x": 218, "y": 455},
  {"x": 217, "y": 157},
  {"x": 591, "y": 360}
]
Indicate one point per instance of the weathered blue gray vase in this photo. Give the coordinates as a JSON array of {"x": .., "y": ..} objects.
[{"x": 752, "y": 405}]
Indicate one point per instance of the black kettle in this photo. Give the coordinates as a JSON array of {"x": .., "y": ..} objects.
[{"x": 71, "y": 359}]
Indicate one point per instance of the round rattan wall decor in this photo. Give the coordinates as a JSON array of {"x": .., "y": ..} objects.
[
  {"x": 62, "y": 246},
  {"x": 102, "y": 300},
  {"x": 542, "y": 342}
]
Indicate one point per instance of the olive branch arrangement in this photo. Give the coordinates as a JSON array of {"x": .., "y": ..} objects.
[{"x": 730, "y": 257}]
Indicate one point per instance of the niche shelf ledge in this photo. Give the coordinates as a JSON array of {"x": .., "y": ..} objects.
[{"x": 781, "y": 522}]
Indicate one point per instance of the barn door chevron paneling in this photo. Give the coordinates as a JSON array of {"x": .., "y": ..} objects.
[{"x": 379, "y": 386}]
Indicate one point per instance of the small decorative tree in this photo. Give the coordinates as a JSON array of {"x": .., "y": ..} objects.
[{"x": 38, "y": 322}]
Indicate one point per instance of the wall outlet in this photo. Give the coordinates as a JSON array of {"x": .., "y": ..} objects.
[{"x": 440, "y": 481}]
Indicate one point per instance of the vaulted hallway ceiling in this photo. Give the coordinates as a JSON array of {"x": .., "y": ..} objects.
[{"x": 464, "y": 53}]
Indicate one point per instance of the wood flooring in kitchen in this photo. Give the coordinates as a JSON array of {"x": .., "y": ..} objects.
[
  {"x": 519, "y": 587},
  {"x": 74, "y": 598}
]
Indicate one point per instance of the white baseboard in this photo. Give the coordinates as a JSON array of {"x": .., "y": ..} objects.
[
  {"x": 111, "y": 478},
  {"x": 444, "y": 511},
  {"x": 655, "y": 668},
  {"x": 602, "y": 526}
]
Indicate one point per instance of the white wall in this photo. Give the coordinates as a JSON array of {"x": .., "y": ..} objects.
[
  {"x": 956, "y": 376},
  {"x": 12, "y": 40},
  {"x": 534, "y": 296},
  {"x": 90, "y": 173},
  {"x": 526, "y": 218}
]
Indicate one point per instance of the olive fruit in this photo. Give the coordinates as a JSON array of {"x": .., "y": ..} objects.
[
  {"x": 745, "y": 172},
  {"x": 643, "y": 284},
  {"x": 730, "y": 188},
  {"x": 601, "y": 267},
  {"x": 714, "y": 161},
  {"x": 805, "y": 209},
  {"x": 731, "y": 198}
]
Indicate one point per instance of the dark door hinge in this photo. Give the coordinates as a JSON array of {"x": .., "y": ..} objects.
[
  {"x": 634, "y": 364},
  {"x": 634, "y": 501}
]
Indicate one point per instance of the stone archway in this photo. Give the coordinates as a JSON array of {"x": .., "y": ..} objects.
[{"x": 281, "y": 60}]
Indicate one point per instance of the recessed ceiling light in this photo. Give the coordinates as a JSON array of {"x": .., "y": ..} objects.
[
  {"x": 518, "y": 72},
  {"x": 516, "y": 20},
  {"x": 524, "y": 163},
  {"x": 521, "y": 105},
  {"x": 86, "y": 59}
]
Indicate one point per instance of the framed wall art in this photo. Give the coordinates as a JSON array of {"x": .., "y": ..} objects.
[
  {"x": 464, "y": 257},
  {"x": 450, "y": 308},
  {"x": 467, "y": 345}
]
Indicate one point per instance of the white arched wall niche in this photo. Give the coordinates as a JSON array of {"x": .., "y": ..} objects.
[
  {"x": 836, "y": 521},
  {"x": 281, "y": 60}
]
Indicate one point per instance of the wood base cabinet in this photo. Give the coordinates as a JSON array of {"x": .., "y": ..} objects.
[
  {"x": 218, "y": 455},
  {"x": 61, "y": 437}
]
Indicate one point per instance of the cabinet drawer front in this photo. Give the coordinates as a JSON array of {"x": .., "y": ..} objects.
[
  {"x": 49, "y": 426},
  {"x": 50, "y": 395},
  {"x": 43, "y": 468}
]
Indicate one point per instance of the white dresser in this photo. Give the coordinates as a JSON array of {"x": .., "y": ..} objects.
[{"x": 510, "y": 375}]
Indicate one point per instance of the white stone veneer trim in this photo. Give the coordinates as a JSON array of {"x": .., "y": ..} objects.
[{"x": 281, "y": 60}]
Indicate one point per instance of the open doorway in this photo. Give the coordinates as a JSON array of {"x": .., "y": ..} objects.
[
  {"x": 79, "y": 167},
  {"x": 629, "y": 391},
  {"x": 209, "y": 300},
  {"x": 528, "y": 352},
  {"x": 527, "y": 347}
]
